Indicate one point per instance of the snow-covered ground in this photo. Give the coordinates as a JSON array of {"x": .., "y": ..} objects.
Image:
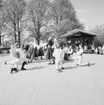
[{"x": 41, "y": 84}]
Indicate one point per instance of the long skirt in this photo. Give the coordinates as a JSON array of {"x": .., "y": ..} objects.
[
  {"x": 41, "y": 52},
  {"x": 50, "y": 53},
  {"x": 36, "y": 51}
]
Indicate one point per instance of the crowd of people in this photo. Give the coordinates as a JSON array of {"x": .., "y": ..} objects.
[
  {"x": 88, "y": 47},
  {"x": 53, "y": 50},
  {"x": 94, "y": 49}
]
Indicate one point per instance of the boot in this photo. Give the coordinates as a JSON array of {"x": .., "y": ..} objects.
[
  {"x": 23, "y": 64},
  {"x": 14, "y": 69}
]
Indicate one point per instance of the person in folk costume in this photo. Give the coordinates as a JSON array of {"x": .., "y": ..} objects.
[
  {"x": 59, "y": 57},
  {"x": 17, "y": 58},
  {"x": 14, "y": 58},
  {"x": 44, "y": 45},
  {"x": 79, "y": 55},
  {"x": 99, "y": 50},
  {"x": 66, "y": 52},
  {"x": 50, "y": 50},
  {"x": 55, "y": 44},
  {"x": 103, "y": 49},
  {"x": 23, "y": 58},
  {"x": 69, "y": 52},
  {"x": 92, "y": 49},
  {"x": 26, "y": 47},
  {"x": 30, "y": 52},
  {"x": 41, "y": 51},
  {"x": 35, "y": 49},
  {"x": 96, "y": 50}
]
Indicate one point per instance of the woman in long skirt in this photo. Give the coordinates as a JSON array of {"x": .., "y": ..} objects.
[{"x": 50, "y": 54}]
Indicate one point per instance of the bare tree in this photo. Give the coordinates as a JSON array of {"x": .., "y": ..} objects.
[
  {"x": 2, "y": 20},
  {"x": 37, "y": 10},
  {"x": 99, "y": 39},
  {"x": 64, "y": 16},
  {"x": 14, "y": 11}
]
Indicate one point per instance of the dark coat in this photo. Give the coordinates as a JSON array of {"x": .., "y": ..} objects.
[
  {"x": 41, "y": 52},
  {"x": 50, "y": 53}
]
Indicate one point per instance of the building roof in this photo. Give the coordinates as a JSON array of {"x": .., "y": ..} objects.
[{"x": 76, "y": 32}]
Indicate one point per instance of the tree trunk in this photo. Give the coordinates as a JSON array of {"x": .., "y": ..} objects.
[
  {"x": 38, "y": 37},
  {"x": 0, "y": 38},
  {"x": 19, "y": 33},
  {"x": 38, "y": 34},
  {"x": 19, "y": 39},
  {"x": 15, "y": 35}
]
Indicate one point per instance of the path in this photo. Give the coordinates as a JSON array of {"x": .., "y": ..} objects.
[{"x": 41, "y": 84}]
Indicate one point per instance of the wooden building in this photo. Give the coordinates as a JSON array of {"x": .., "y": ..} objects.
[{"x": 78, "y": 35}]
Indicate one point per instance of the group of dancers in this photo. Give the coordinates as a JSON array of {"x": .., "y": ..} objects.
[{"x": 54, "y": 51}]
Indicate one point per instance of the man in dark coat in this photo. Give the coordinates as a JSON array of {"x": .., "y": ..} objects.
[{"x": 50, "y": 50}]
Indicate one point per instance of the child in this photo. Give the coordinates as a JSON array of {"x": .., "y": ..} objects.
[{"x": 59, "y": 56}]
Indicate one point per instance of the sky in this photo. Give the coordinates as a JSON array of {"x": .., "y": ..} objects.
[{"x": 90, "y": 12}]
